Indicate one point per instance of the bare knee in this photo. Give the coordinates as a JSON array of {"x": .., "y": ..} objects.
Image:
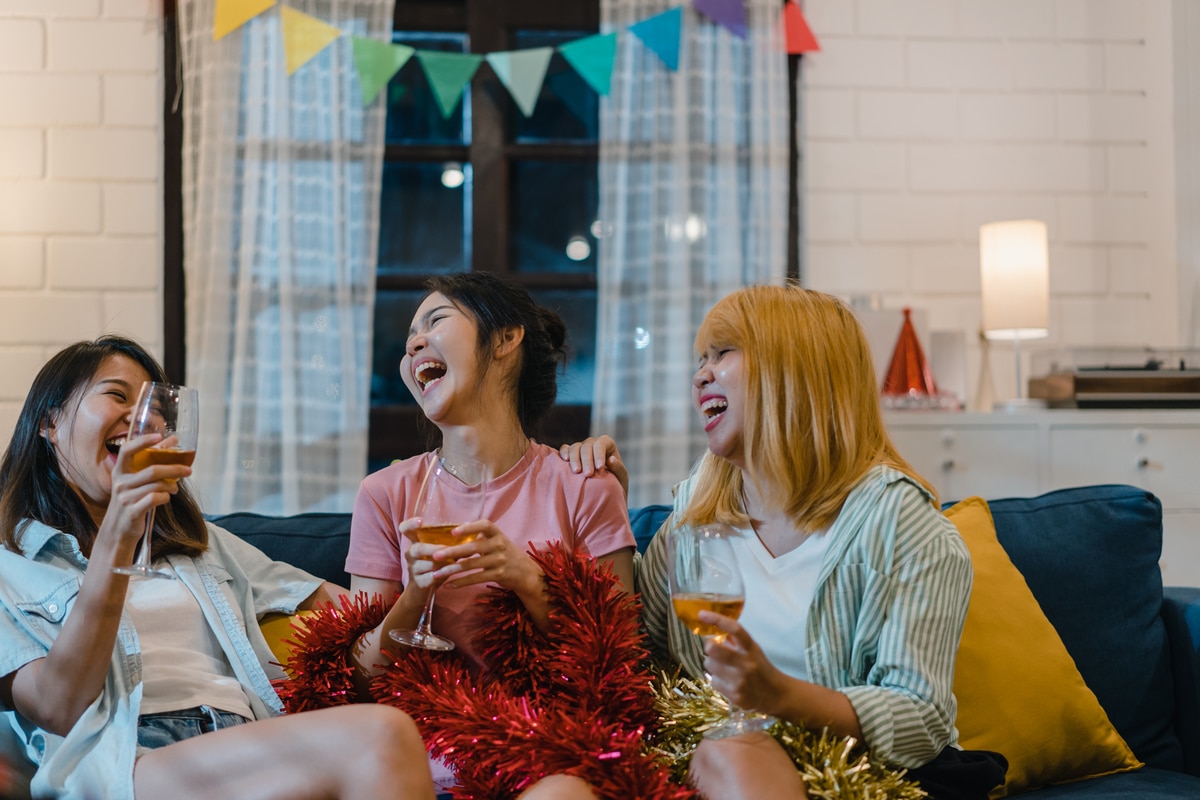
[
  {"x": 560, "y": 787},
  {"x": 749, "y": 766},
  {"x": 383, "y": 729}
]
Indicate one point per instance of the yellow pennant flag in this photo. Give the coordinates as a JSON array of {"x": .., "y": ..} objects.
[
  {"x": 304, "y": 37},
  {"x": 233, "y": 14}
]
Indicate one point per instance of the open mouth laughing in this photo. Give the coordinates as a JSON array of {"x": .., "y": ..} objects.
[
  {"x": 428, "y": 373},
  {"x": 113, "y": 445},
  {"x": 712, "y": 408}
]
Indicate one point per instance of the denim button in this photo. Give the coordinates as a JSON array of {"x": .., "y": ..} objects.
[{"x": 52, "y": 608}]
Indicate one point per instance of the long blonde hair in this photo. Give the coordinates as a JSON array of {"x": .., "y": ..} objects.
[{"x": 813, "y": 424}]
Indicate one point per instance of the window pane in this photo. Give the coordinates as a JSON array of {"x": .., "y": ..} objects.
[
  {"x": 578, "y": 310},
  {"x": 393, "y": 316},
  {"x": 553, "y": 214},
  {"x": 568, "y": 109},
  {"x": 413, "y": 116},
  {"x": 425, "y": 218}
]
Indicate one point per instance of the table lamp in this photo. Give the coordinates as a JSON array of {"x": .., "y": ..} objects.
[{"x": 1015, "y": 285}]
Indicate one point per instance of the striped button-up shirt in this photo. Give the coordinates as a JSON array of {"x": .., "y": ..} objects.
[{"x": 886, "y": 616}]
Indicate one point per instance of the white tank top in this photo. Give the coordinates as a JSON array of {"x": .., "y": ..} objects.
[
  {"x": 779, "y": 593},
  {"x": 183, "y": 665}
]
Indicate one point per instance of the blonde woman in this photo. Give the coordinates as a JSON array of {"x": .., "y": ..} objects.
[{"x": 857, "y": 585}]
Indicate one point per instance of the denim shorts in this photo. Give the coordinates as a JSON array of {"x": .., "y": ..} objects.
[{"x": 159, "y": 730}]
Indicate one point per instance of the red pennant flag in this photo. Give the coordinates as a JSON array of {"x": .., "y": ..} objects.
[
  {"x": 908, "y": 374},
  {"x": 800, "y": 37}
]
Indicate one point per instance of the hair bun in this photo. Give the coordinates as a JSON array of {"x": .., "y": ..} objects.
[{"x": 556, "y": 329}]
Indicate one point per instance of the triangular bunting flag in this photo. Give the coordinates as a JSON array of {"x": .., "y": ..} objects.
[
  {"x": 800, "y": 37},
  {"x": 304, "y": 37},
  {"x": 592, "y": 57},
  {"x": 233, "y": 14},
  {"x": 661, "y": 34},
  {"x": 448, "y": 74},
  {"x": 377, "y": 62},
  {"x": 730, "y": 14},
  {"x": 522, "y": 72}
]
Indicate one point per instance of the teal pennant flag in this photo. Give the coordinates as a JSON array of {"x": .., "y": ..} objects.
[
  {"x": 522, "y": 72},
  {"x": 377, "y": 62},
  {"x": 661, "y": 34},
  {"x": 592, "y": 57},
  {"x": 448, "y": 74}
]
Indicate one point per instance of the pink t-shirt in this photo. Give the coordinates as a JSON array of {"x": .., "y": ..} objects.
[{"x": 539, "y": 500}]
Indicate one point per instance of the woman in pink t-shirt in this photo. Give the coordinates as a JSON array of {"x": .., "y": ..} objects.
[{"x": 482, "y": 360}]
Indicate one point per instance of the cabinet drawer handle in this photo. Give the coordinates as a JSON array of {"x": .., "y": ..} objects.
[
  {"x": 948, "y": 465},
  {"x": 1143, "y": 462}
]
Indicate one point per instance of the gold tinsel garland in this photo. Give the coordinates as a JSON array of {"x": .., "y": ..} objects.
[{"x": 831, "y": 767}]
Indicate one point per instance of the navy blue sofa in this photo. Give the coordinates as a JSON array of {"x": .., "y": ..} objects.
[{"x": 1090, "y": 556}]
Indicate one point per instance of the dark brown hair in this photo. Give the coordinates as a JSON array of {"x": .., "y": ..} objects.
[
  {"x": 32, "y": 485},
  {"x": 497, "y": 304}
]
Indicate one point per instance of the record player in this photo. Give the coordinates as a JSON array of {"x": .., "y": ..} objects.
[{"x": 1117, "y": 377}]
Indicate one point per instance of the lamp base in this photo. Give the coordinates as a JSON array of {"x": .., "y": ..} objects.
[{"x": 1019, "y": 404}]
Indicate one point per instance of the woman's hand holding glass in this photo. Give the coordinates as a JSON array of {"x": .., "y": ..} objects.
[
  {"x": 738, "y": 668},
  {"x": 135, "y": 492},
  {"x": 450, "y": 499},
  {"x": 487, "y": 556},
  {"x": 707, "y": 594},
  {"x": 171, "y": 413}
]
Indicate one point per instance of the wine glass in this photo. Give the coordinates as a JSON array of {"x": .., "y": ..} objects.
[
  {"x": 451, "y": 493},
  {"x": 173, "y": 411},
  {"x": 704, "y": 576}
]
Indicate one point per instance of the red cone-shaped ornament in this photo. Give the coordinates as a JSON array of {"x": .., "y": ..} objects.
[{"x": 908, "y": 375}]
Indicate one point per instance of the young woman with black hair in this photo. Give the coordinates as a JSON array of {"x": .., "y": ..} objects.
[
  {"x": 108, "y": 679},
  {"x": 482, "y": 361}
]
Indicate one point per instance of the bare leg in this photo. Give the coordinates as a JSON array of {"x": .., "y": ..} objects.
[
  {"x": 360, "y": 752},
  {"x": 749, "y": 766},
  {"x": 559, "y": 787}
]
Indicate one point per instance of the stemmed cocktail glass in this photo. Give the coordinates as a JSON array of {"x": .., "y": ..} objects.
[
  {"x": 704, "y": 576},
  {"x": 173, "y": 411},
  {"x": 451, "y": 493}
]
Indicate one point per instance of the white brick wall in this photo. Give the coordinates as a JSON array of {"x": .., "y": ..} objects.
[
  {"x": 923, "y": 119},
  {"x": 81, "y": 83}
]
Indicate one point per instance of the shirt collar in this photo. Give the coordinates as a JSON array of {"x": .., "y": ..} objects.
[{"x": 33, "y": 537}]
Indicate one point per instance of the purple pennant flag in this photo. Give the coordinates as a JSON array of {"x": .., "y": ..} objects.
[{"x": 729, "y": 13}]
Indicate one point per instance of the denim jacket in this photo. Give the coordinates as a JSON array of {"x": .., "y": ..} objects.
[{"x": 38, "y": 588}]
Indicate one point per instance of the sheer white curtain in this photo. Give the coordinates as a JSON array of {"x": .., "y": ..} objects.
[
  {"x": 281, "y": 207},
  {"x": 693, "y": 204}
]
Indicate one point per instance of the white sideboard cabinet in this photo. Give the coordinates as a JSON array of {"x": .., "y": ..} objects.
[{"x": 1022, "y": 454}]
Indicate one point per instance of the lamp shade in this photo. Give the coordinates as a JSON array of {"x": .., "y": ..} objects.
[{"x": 1015, "y": 277}]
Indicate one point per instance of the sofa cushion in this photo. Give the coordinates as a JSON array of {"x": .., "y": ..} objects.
[
  {"x": 1090, "y": 555},
  {"x": 314, "y": 542},
  {"x": 1144, "y": 784},
  {"x": 1018, "y": 690},
  {"x": 646, "y": 521}
]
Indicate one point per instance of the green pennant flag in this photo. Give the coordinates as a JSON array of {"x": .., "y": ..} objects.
[
  {"x": 377, "y": 62},
  {"x": 592, "y": 57},
  {"x": 522, "y": 72},
  {"x": 448, "y": 74}
]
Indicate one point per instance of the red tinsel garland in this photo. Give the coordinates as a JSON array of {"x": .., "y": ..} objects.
[
  {"x": 320, "y": 670},
  {"x": 573, "y": 701}
]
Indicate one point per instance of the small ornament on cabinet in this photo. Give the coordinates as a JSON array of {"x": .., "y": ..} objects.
[{"x": 909, "y": 383}]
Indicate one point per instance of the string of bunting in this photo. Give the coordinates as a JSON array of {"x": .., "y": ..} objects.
[{"x": 521, "y": 71}]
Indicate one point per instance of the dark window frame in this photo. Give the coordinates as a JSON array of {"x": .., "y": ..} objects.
[{"x": 395, "y": 430}]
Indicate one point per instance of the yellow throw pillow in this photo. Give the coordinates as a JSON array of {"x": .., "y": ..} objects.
[
  {"x": 277, "y": 629},
  {"x": 1019, "y": 692}
]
